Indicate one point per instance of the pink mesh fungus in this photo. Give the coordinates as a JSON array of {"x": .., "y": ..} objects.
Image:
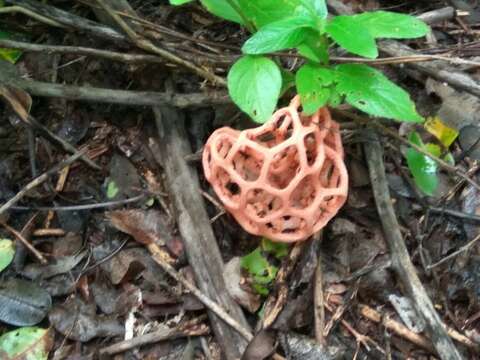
[{"x": 283, "y": 180}]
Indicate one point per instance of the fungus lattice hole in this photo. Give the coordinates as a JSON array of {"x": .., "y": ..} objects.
[
  {"x": 304, "y": 194},
  {"x": 311, "y": 146},
  {"x": 291, "y": 224},
  {"x": 248, "y": 164},
  {"x": 229, "y": 188},
  {"x": 284, "y": 167},
  {"x": 329, "y": 177},
  {"x": 278, "y": 132},
  {"x": 262, "y": 203}
]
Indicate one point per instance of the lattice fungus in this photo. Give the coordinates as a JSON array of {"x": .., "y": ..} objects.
[{"x": 283, "y": 180}]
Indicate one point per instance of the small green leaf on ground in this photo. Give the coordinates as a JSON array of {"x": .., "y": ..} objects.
[
  {"x": 29, "y": 343},
  {"x": 423, "y": 168},
  {"x": 387, "y": 24},
  {"x": 112, "y": 189},
  {"x": 313, "y": 85},
  {"x": 7, "y": 252},
  {"x": 254, "y": 84},
  {"x": 369, "y": 90},
  {"x": 260, "y": 270},
  {"x": 223, "y": 9},
  {"x": 280, "y": 35},
  {"x": 9, "y": 55},
  {"x": 352, "y": 36}
]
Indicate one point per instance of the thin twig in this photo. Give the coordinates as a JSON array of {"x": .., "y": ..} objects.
[
  {"x": 107, "y": 204},
  {"x": 33, "y": 15},
  {"x": 79, "y": 50},
  {"x": 454, "y": 213},
  {"x": 402, "y": 331},
  {"x": 464, "y": 248},
  {"x": 39, "y": 180},
  {"x": 209, "y": 303},
  {"x": 25, "y": 242},
  {"x": 149, "y": 46}
]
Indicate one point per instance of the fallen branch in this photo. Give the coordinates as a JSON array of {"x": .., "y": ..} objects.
[
  {"x": 404, "y": 332},
  {"x": 151, "y": 338},
  {"x": 122, "y": 97},
  {"x": 25, "y": 242},
  {"x": 401, "y": 262},
  {"x": 197, "y": 234}
]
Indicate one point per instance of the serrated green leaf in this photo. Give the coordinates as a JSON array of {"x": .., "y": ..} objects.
[
  {"x": 313, "y": 86},
  {"x": 387, "y": 24},
  {"x": 263, "y": 12},
  {"x": 372, "y": 92},
  {"x": 7, "y": 252},
  {"x": 423, "y": 168},
  {"x": 9, "y": 55},
  {"x": 223, "y": 9},
  {"x": 254, "y": 84},
  {"x": 179, "y": 2},
  {"x": 314, "y": 47},
  {"x": 29, "y": 343},
  {"x": 351, "y": 36},
  {"x": 280, "y": 35}
]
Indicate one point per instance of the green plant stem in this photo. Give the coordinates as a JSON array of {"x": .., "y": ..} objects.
[{"x": 245, "y": 19}]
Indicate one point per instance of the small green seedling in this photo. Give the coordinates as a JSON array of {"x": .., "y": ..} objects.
[{"x": 259, "y": 266}]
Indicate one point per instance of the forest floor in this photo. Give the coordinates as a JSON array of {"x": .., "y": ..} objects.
[{"x": 117, "y": 245}]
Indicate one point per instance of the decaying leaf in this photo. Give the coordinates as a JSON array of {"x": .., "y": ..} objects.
[
  {"x": 23, "y": 303},
  {"x": 28, "y": 343},
  {"x": 78, "y": 321}
]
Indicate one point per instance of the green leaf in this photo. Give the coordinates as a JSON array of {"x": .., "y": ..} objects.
[
  {"x": 314, "y": 86},
  {"x": 280, "y": 35},
  {"x": 261, "y": 271},
  {"x": 317, "y": 8},
  {"x": 254, "y": 84},
  {"x": 7, "y": 252},
  {"x": 179, "y": 2},
  {"x": 29, "y": 343},
  {"x": 423, "y": 168},
  {"x": 314, "y": 47},
  {"x": 263, "y": 12},
  {"x": 9, "y": 55},
  {"x": 223, "y": 9},
  {"x": 288, "y": 81},
  {"x": 372, "y": 92},
  {"x": 112, "y": 189},
  {"x": 386, "y": 24},
  {"x": 352, "y": 37}
]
